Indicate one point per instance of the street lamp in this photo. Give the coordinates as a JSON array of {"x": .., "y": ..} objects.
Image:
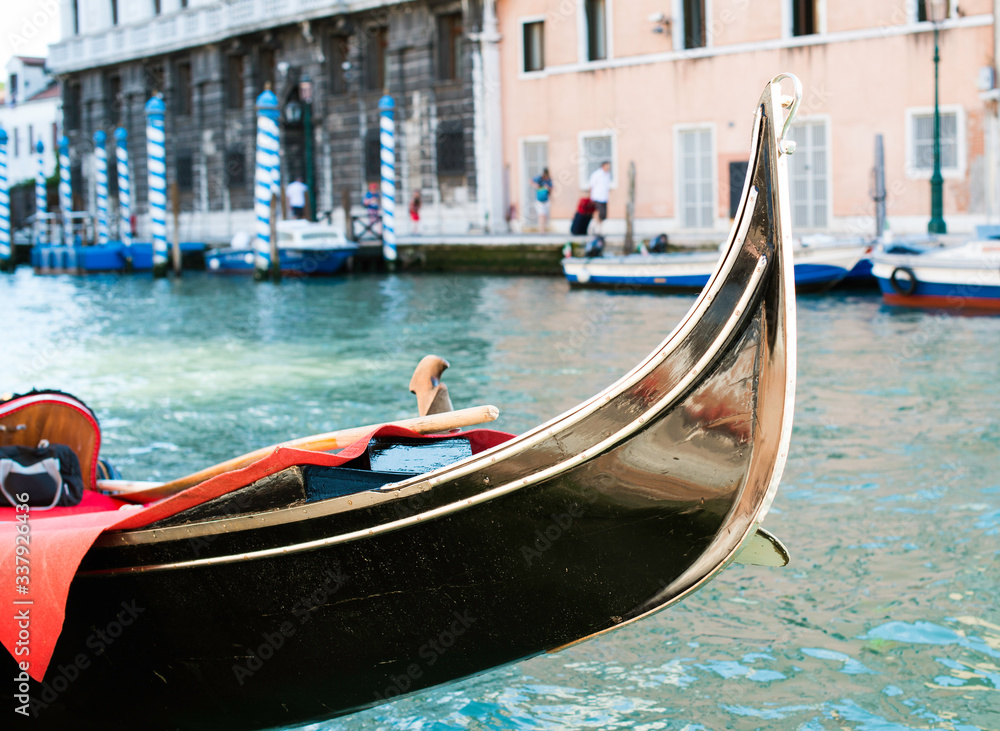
[
  {"x": 306, "y": 95},
  {"x": 936, "y": 11}
]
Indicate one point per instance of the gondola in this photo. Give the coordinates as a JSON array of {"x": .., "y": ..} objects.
[{"x": 312, "y": 587}]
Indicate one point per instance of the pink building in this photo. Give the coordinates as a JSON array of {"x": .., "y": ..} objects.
[{"x": 670, "y": 85}]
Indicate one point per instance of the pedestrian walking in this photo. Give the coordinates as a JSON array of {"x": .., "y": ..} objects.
[
  {"x": 543, "y": 192},
  {"x": 296, "y": 194},
  {"x": 600, "y": 190}
]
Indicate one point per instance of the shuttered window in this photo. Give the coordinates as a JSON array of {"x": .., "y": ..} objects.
[
  {"x": 809, "y": 175},
  {"x": 596, "y": 148},
  {"x": 696, "y": 179},
  {"x": 922, "y": 136}
]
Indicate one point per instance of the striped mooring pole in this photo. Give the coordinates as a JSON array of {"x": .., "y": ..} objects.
[
  {"x": 266, "y": 177},
  {"x": 101, "y": 158},
  {"x": 156, "y": 155},
  {"x": 41, "y": 198},
  {"x": 65, "y": 192},
  {"x": 124, "y": 196},
  {"x": 387, "y": 137},
  {"x": 6, "y": 248}
]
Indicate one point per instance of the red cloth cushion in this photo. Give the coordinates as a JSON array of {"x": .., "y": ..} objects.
[{"x": 59, "y": 538}]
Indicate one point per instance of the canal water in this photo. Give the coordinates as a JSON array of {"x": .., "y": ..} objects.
[{"x": 887, "y": 617}]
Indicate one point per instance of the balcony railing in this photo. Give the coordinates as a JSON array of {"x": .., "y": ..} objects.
[{"x": 192, "y": 27}]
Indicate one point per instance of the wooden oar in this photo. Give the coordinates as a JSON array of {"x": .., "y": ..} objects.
[{"x": 144, "y": 492}]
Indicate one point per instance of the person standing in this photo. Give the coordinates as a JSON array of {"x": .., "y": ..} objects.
[
  {"x": 543, "y": 191},
  {"x": 296, "y": 194},
  {"x": 415, "y": 203},
  {"x": 600, "y": 190},
  {"x": 372, "y": 203}
]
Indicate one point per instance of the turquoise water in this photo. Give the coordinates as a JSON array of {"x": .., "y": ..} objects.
[{"x": 887, "y": 617}]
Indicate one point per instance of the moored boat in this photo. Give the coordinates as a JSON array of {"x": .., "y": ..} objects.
[
  {"x": 964, "y": 277},
  {"x": 308, "y": 585},
  {"x": 819, "y": 265},
  {"x": 304, "y": 248},
  {"x": 110, "y": 257}
]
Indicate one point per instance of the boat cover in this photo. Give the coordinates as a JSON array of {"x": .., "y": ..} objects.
[{"x": 60, "y": 539}]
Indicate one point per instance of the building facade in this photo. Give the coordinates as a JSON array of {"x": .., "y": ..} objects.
[
  {"x": 32, "y": 111},
  {"x": 669, "y": 86},
  {"x": 328, "y": 61}
]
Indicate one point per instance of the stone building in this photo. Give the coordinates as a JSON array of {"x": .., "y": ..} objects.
[{"x": 210, "y": 59}]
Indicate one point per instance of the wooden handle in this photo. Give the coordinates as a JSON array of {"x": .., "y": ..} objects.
[{"x": 144, "y": 492}]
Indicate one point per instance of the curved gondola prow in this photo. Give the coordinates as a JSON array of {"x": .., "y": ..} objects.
[
  {"x": 776, "y": 387},
  {"x": 753, "y": 286}
]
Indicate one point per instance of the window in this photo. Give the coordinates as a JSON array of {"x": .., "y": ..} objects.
[
  {"x": 17, "y": 143},
  {"x": 695, "y": 178},
  {"x": 595, "y": 12},
  {"x": 809, "y": 176},
  {"x": 694, "y": 23},
  {"x": 185, "y": 172},
  {"x": 236, "y": 168},
  {"x": 450, "y": 46},
  {"x": 451, "y": 148},
  {"x": 31, "y": 139},
  {"x": 921, "y": 147},
  {"x": 804, "y": 17},
  {"x": 266, "y": 66},
  {"x": 184, "y": 4},
  {"x": 112, "y": 173},
  {"x": 533, "y": 38},
  {"x": 596, "y": 148},
  {"x": 153, "y": 78},
  {"x": 76, "y": 17},
  {"x": 373, "y": 156},
  {"x": 72, "y": 106},
  {"x": 113, "y": 102},
  {"x": 337, "y": 57},
  {"x": 234, "y": 82},
  {"x": 183, "y": 101},
  {"x": 376, "y": 57},
  {"x": 157, "y": 7},
  {"x": 114, "y": 12}
]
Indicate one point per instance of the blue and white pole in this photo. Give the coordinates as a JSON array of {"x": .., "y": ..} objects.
[
  {"x": 266, "y": 175},
  {"x": 65, "y": 191},
  {"x": 41, "y": 198},
  {"x": 124, "y": 195},
  {"x": 157, "y": 163},
  {"x": 387, "y": 136},
  {"x": 101, "y": 157},
  {"x": 6, "y": 250}
]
